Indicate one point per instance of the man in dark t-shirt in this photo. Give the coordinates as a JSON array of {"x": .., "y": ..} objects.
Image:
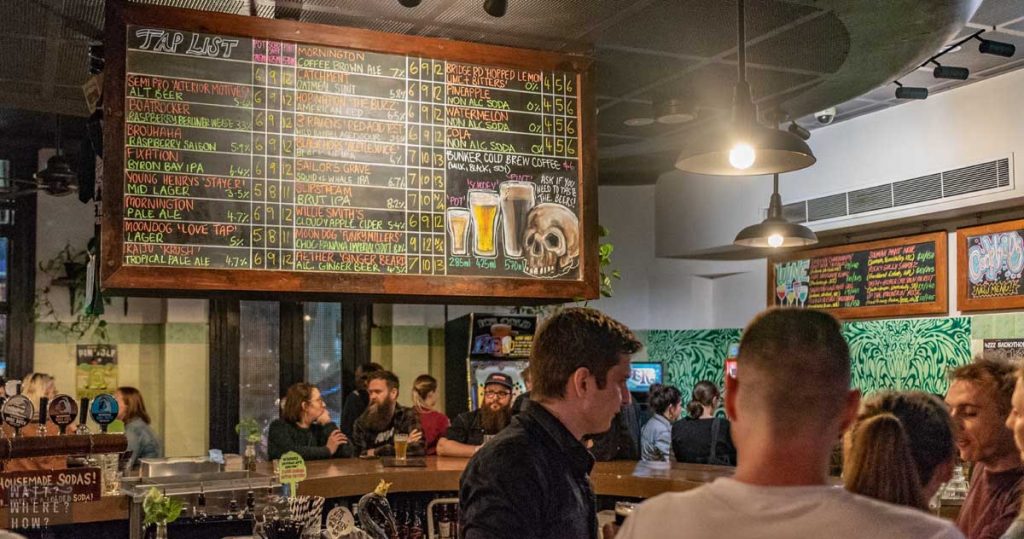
[{"x": 471, "y": 429}]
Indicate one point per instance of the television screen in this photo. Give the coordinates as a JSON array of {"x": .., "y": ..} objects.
[{"x": 642, "y": 375}]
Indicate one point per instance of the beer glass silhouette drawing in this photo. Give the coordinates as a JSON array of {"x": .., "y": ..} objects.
[
  {"x": 458, "y": 230},
  {"x": 516, "y": 201},
  {"x": 483, "y": 205}
]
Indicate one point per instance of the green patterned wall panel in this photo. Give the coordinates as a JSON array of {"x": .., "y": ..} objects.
[
  {"x": 690, "y": 356},
  {"x": 907, "y": 354}
]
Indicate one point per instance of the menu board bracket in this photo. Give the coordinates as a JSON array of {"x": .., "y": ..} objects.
[
  {"x": 904, "y": 276},
  {"x": 270, "y": 158},
  {"x": 990, "y": 267}
]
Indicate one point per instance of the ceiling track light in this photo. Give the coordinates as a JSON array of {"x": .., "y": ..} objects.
[
  {"x": 949, "y": 72},
  {"x": 496, "y": 8},
  {"x": 910, "y": 92},
  {"x": 799, "y": 131},
  {"x": 775, "y": 231},
  {"x": 995, "y": 48},
  {"x": 672, "y": 111},
  {"x": 744, "y": 147}
]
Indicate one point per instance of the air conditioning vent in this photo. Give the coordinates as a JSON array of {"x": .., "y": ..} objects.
[
  {"x": 970, "y": 179},
  {"x": 870, "y": 199},
  {"x": 917, "y": 190},
  {"x": 890, "y": 196},
  {"x": 828, "y": 207},
  {"x": 795, "y": 212}
]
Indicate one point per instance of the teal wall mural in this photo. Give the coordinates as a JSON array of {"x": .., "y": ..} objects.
[
  {"x": 692, "y": 355},
  {"x": 885, "y": 354},
  {"x": 908, "y": 353}
]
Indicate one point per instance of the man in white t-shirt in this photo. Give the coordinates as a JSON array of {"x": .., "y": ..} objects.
[{"x": 788, "y": 403}]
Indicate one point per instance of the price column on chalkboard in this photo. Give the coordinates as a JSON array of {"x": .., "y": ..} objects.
[{"x": 426, "y": 162}]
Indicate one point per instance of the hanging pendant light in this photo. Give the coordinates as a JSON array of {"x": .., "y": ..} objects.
[
  {"x": 744, "y": 147},
  {"x": 775, "y": 231}
]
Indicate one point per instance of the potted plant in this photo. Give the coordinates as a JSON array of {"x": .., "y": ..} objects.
[
  {"x": 250, "y": 429},
  {"x": 160, "y": 510}
]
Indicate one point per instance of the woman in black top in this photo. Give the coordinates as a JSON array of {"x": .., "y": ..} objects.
[
  {"x": 306, "y": 428},
  {"x": 703, "y": 438}
]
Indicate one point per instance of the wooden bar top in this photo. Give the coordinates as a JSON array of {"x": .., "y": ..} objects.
[{"x": 355, "y": 477}]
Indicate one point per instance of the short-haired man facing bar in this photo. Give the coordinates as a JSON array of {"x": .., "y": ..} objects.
[
  {"x": 788, "y": 403},
  {"x": 532, "y": 480},
  {"x": 979, "y": 400}
]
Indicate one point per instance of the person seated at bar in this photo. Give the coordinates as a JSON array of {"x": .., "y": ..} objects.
[
  {"x": 622, "y": 440},
  {"x": 374, "y": 431},
  {"x": 471, "y": 429},
  {"x": 305, "y": 427},
  {"x": 705, "y": 439},
  {"x": 131, "y": 410},
  {"x": 979, "y": 400},
  {"x": 35, "y": 386},
  {"x": 901, "y": 448},
  {"x": 357, "y": 401},
  {"x": 532, "y": 480},
  {"x": 656, "y": 438},
  {"x": 424, "y": 399},
  {"x": 784, "y": 431},
  {"x": 524, "y": 397}
]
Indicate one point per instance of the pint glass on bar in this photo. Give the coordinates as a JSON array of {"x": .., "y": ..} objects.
[
  {"x": 484, "y": 206},
  {"x": 516, "y": 201},
  {"x": 458, "y": 230},
  {"x": 401, "y": 446}
]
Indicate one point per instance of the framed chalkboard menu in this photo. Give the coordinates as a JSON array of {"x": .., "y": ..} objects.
[
  {"x": 886, "y": 278},
  {"x": 990, "y": 267},
  {"x": 274, "y": 156}
]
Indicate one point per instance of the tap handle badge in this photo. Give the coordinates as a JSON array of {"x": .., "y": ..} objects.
[{"x": 104, "y": 410}]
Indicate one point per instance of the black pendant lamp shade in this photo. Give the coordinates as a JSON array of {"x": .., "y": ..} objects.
[
  {"x": 775, "y": 231},
  {"x": 744, "y": 147},
  {"x": 57, "y": 178}
]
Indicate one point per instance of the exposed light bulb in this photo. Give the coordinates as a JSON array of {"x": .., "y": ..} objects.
[
  {"x": 742, "y": 156},
  {"x": 775, "y": 240}
]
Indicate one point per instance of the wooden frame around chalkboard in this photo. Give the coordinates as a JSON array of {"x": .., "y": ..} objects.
[
  {"x": 161, "y": 281},
  {"x": 939, "y": 306},
  {"x": 968, "y": 304}
]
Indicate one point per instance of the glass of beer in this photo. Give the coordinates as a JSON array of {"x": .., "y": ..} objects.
[
  {"x": 458, "y": 230},
  {"x": 623, "y": 510},
  {"x": 483, "y": 204},
  {"x": 516, "y": 201},
  {"x": 401, "y": 445}
]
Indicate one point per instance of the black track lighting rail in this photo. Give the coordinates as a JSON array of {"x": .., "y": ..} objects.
[{"x": 987, "y": 46}]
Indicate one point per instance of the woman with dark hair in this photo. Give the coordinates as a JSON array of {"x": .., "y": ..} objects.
[
  {"x": 900, "y": 449},
  {"x": 656, "y": 437},
  {"x": 306, "y": 428},
  {"x": 424, "y": 399},
  {"x": 131, "y": 410},
  {"x": 704, "y": 439}
]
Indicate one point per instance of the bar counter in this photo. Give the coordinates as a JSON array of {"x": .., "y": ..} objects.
[{"x": 355, "y": 477}]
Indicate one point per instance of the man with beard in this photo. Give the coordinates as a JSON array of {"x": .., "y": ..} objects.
[
  {"x": 374, "y": 431},
  {"x": 357, "y": 400},
  {"x": 468, "y": 432}
]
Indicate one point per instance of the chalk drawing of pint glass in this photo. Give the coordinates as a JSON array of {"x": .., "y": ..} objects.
[
  {"x": 483, "y": 204},
  {"x": 516, "y": 201},
  {"x": 458, "y": 230}
]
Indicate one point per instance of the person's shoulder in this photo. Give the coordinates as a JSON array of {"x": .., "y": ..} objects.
[
  {"x": 467, "y": 417},
  {"x": 898, "y": 520},
  {"x": 664, "y": 509},
  {"x": 279, "y": 424}
]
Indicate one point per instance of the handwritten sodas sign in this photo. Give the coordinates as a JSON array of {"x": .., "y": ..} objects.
[{"x": 36, "y": 506}]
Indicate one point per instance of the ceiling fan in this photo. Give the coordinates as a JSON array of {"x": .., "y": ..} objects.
[{"x": 56, "y": 179}]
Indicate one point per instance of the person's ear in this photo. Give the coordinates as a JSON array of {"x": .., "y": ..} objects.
[
  {"x": 850, "y": 409},
  {"x": 732, "y": 389},
  {"x": 579, "y": 382}
]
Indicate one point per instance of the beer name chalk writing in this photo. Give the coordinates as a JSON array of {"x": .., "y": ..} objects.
[
  {"x": 859, "y": 279},
  {"x": 990, "y": 266},
  {"x": 257, "y": 154}
]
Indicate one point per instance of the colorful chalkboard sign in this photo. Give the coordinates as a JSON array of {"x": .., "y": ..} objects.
[
  {"x": 887, "y": 278},
  {"x": 990, "y": 267},
  {"x": 263, "y": 155}
]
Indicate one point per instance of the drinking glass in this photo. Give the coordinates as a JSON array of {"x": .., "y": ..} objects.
[
  {"x": 458, "y": 230},
  {"x": 483, "y": 204},
  {"x": 401, "y": 445}
]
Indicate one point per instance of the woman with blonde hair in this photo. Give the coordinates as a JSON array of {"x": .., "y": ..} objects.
[
  {"x": 35, "y": 386},
  {"x": 131, "y": 410},
  {"x": 424, "y": 399},
  {"x": 900, "y": 449}
]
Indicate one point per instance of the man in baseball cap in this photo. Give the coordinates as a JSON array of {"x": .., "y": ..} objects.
[{"x": 470, "y": 430}]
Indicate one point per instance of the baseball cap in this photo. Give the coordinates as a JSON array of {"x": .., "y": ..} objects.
[{"x": 499, "y": 378}]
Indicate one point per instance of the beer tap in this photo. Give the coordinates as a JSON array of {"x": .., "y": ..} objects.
[
  {"x": 41, "y": 427},
  {"x": 83, "y": 427}
]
